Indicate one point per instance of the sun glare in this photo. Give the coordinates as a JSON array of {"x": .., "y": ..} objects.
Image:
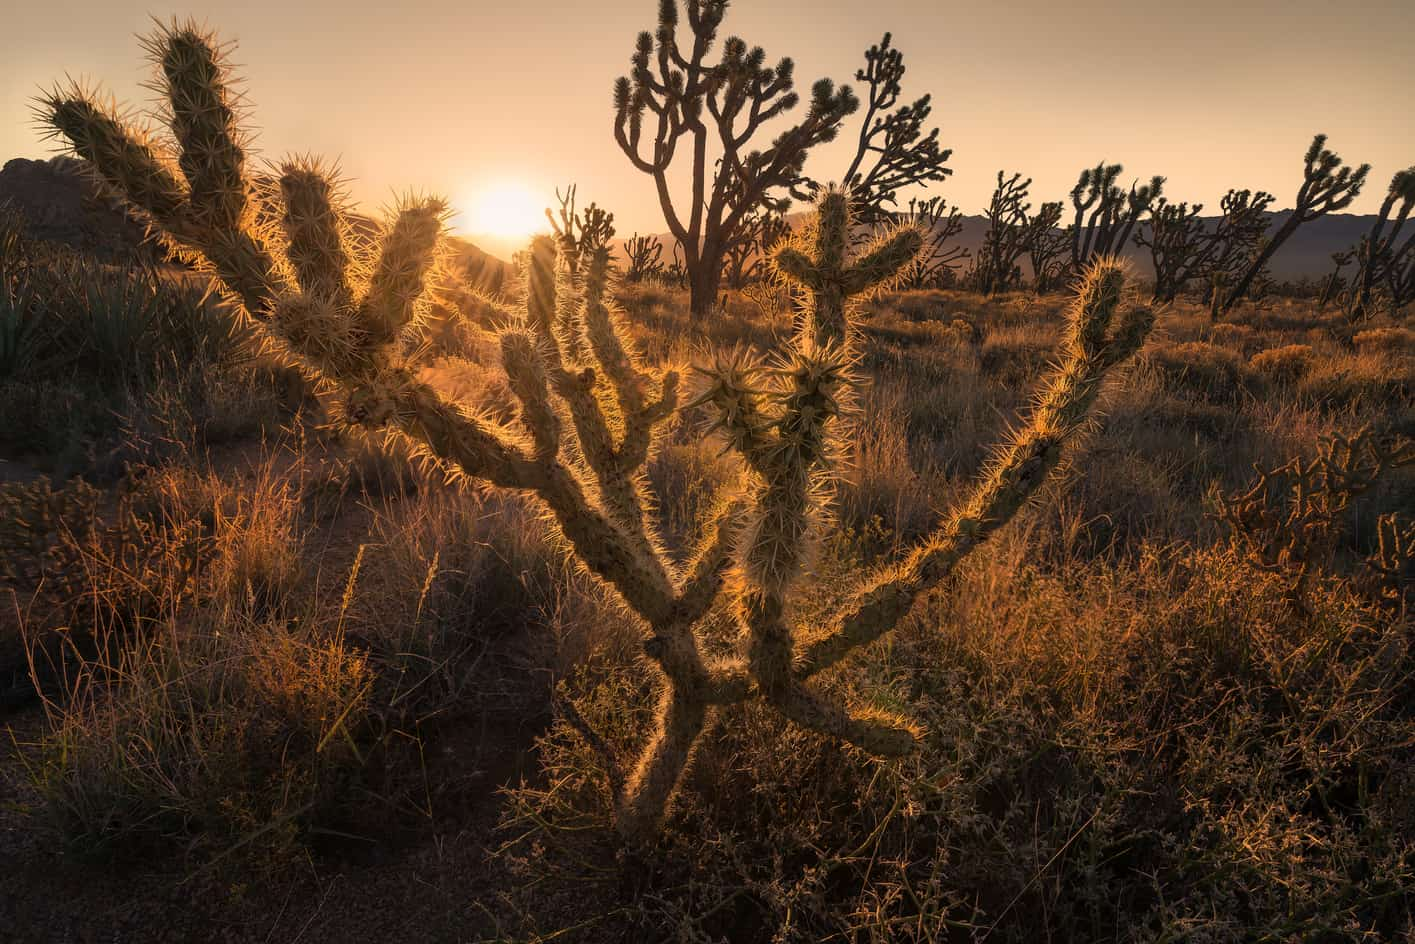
[{"x": 504, "y": 210}]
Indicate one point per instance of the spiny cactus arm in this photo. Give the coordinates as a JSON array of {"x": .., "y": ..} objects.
[
  {"x": 526, "y": 373},
  {"x": 202, "y": 114},
  {"x": 1095, "y": 347},
  {"x": 639, "y": 427},
  {"x": 122, "y": 154},
  {"x": 878, "y": 733},
  {"x": 741, "y": 414},
  {"x": 645, "y": 799},
  {"x": 630, "y": 384},
  {"x": 542, "y": 285},
  {"x": 316, "y": 230},
  {"x": 125, "y": 157},
  {"x": 705, "y": 574},
  {"x": 774, "y": 549},
  {"x": 826, "y": 275},
  {"x": 569, "y": 318},
  {"x": 891, "y": 255},
  {"x": 399, "y": 279}
]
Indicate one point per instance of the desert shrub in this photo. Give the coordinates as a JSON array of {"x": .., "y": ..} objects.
[
  {"x": 219, "y": 739},
  {"x": 1394, "y": 340},
  {"x": 919, "y": 305},
  {"x": 1203, "y": 370},
  {"x": 1374, "y": 381},
  {"x": 1240, "y": 337},
  {"x": 1284, "y": 365}
]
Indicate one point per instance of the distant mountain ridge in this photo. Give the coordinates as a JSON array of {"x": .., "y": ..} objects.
[{"x": 1307, "y": 254}]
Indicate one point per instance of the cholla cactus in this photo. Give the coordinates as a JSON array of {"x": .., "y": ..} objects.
[
  {"x": 590, "y": 412},
  {"x": 1289, "y": 521}
]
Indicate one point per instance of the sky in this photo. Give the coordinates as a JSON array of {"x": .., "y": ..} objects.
[{"x": 494, "y": 105}]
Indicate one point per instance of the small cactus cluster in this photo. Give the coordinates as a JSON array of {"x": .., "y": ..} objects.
[
  {"x": 591, "y": 413},
  {"x": 1290, "y": 520}
]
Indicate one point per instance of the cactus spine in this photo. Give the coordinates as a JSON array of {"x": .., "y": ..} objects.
[{"x": 590, "y": 412}]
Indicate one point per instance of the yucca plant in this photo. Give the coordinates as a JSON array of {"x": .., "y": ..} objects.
[{"x": 591, "y": 412}]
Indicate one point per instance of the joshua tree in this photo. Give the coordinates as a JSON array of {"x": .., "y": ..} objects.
[
  {"x": 1334, "y": 282},
  {"x": 1380, "y": 249},
  {"x": 1328, "y": 185},
  {"x": 645, "y": 254},
  {"x": 747, "y": 255},
  {"x": 590, "y": 413},
  {"x": 1179, "y": 245},
  {"x": 582, "y": 233},
  {"x": 938, "y": 261},
  {"x": 1113, "y": 212},
  {"x": 892, "y": 151},
  {"x": 1005, "y": 240},
  {"x": 1046, "y": 241},
  {"x": 1238, "y": 234},
  {"x": 1400, "y": 276},
  {"x": 684, "y": 96}
]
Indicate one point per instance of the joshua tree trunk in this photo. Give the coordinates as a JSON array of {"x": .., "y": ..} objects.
[{"x": 704, "y": 282}]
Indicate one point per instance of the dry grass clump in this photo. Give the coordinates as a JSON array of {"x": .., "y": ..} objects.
[
  {"x": 1239, "y": 337},
  {"x": 1284, "y": 365},
  {"x": 1205, "y": 370},
  {"x": 1393, "y": 340}
]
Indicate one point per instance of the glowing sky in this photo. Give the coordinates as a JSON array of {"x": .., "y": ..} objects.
[{"x": 457, "y": 97}]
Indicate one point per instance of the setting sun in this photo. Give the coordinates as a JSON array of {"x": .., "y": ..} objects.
[{"x": 506, "y": 210}]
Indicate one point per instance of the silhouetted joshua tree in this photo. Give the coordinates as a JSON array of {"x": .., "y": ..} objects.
[
  {"x": 938, "y": 261},
  {"x": 645, "y": 255},
  {"x": 746, "y": 256},
  {"x": 1005, "y": 241},
  {"x": 1327, "y": 186},
  {"x": 1105, "y": 214},
  {"x": 1335, "y": 283},
  {"x": 1180, "y": 246},
  {"x": 1238, "y": 235},
  {"x": 892, "y": 151},
  {"x": 1381, "y": 247},
  {"x": 581, "y": 233},
  {"x": 1046, "y": 242},
  {"x": 683, "y": 97}
]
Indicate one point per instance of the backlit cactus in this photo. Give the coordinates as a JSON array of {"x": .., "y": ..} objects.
[{"x": 591, "y": 412}]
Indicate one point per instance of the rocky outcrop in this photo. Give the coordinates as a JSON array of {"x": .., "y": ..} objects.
[{"x": 59, "y": 204}]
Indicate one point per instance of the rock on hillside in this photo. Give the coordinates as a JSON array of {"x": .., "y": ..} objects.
[{"x": 61, "y": 205}]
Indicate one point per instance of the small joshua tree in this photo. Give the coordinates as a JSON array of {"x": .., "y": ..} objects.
[
  {"x": 939, "y": 260},
  {"x": 590, "y": 412},
  {"x": 1046, "y": 242},
  {"x": 645, "y": 255},
  {"x": 1380, "y": 249},
  {"x": 1334, "y": 283},
  {"x": 892, "y": 151},
  {"x": 1180, "y": 248},
  {"x": 1105, "y": 214},
  {"x": 582, "y": 233},
  {"x": 1328, "y": 185},
  {"x": 684, "y": 99},
  {"x": 1006, "y": 239},
  {"x": 747, "y": 255}
]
